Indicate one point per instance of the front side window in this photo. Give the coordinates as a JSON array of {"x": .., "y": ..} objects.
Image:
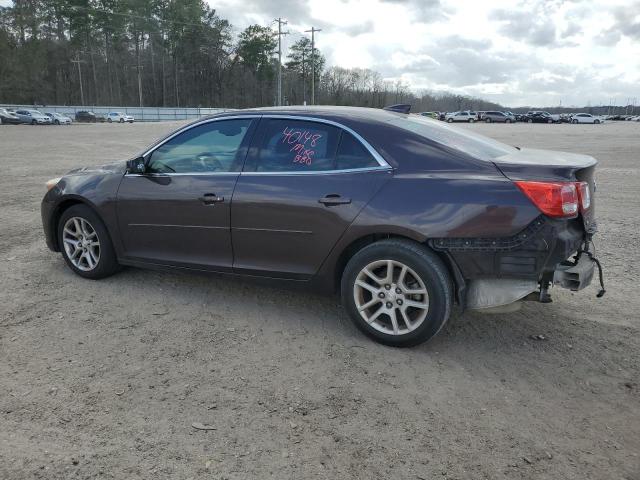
[
  {"x": 296, "y": 145},
  {"x": 210, "y": 147}
]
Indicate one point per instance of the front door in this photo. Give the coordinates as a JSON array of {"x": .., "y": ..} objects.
[
  {"x": 302, "y": 186},
  {"x": 178, "y": 211}
]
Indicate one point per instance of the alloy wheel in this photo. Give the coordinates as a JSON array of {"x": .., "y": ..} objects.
[
  {"x": 391, "y": 297},
  {"x": 81, "y": 244}
]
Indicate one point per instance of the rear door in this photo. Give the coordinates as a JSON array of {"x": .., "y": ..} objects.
[
  {"x": 178, "y": 211},
  {"x": 303, "y": 184}
]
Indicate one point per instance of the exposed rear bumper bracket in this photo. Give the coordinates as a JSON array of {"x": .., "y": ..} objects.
[{"x": 575, "y": 275}]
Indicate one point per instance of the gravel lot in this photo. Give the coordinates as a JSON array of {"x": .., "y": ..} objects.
[{"x": 105, "y": 379}]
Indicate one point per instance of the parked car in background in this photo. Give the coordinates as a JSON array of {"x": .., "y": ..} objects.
[
  {"x": 33, "y": 117},
  {"x": 339, "y": 199},
  {"x": 498, "y": 117},
  {"x": 86, "y": 116},
  {"x": 585, "y": 118},
  {"x": 118, "y": 117},
  {"x": 537, "y": 117},
  {"x": 430, "y": 114},
  {"x": 461, "y": 117},
  {"x": 8, "y": 117},
  {"x": 58, "y": 118}
]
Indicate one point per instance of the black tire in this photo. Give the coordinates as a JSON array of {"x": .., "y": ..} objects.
[
  {"x": 471, "y": 120},
  {"x": 107, "y": 263},
  {"x": 574, "y": 121},
  {"x": 449, "y": 120},
  {"x": 122, "y": 120},
  {"x": 596, "y": 121},
  {"x": 508, "y": 120},
  {"x": 428, "y": 266},
  {"x": 487, "y": 120},
  {"x": 109, "y": 120},
  {"x": 33, "y": 122},
  {"x": 57, "y": 122}
]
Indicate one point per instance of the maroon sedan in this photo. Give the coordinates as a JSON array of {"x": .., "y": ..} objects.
[{"x": 401, "y": 214}]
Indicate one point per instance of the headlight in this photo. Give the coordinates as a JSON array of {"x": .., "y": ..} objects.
[{"x": 52, "y": 183}]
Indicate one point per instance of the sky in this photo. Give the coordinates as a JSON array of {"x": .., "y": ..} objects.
[{"x": 514, "y": 52}]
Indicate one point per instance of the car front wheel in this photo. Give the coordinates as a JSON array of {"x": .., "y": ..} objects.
[
  {"x": 397, "y": 292},
  {"x": 85, "y": 243}
]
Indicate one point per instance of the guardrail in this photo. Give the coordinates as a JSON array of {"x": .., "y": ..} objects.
[{"x": 141, "y": 114}]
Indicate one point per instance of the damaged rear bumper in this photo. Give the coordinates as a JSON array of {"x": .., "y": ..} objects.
[{"x": 500, "y": 271}]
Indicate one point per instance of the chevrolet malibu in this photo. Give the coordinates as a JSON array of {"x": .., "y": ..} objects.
[{"x": 400, "y": 214}]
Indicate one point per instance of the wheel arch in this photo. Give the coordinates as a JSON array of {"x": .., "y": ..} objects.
[
  {"x": 62, "y": 206},
  {"x": 359, "y": 243}
]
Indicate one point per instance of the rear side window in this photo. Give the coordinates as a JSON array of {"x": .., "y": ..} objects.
[
  {"x": 296, "y": 145},
  {"x": 352, "y": 154}
]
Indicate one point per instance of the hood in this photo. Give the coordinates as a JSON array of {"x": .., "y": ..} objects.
[{"x": 106, "y": 169}]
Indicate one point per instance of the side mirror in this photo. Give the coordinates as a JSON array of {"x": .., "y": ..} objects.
[{"x": 137, "y": 165}]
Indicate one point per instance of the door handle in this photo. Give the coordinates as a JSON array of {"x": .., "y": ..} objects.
[
  {"x": 334, "y": 199},
  {"x": 211, "y": 198}
]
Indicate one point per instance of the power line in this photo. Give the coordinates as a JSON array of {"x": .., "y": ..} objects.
[{"x": 313, "y": 63}]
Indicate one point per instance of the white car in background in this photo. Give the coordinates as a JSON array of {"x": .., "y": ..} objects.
[
  {"x": 585, "y": 118},
  {"x": 461, "y": 117},
  {"x": 118, "y": 117},
  {"x": 58, "y": 118}
]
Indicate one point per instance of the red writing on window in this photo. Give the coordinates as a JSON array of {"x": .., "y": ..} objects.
[{"x": 303, "y": 143}]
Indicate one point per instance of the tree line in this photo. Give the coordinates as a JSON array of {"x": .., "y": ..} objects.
[{"x": 173, "y": 53}]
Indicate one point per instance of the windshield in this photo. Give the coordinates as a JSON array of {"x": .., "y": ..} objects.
[{"x": 476, "y": 145}]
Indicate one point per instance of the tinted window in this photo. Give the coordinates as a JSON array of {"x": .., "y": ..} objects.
[
  {"x": 210, "y": 147},
  {"x": 294, "y": 145},
  {"x": 352, "y": 154},
  {"x": 468, "y": 142}
]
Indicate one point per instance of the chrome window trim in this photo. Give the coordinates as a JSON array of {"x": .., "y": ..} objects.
[{"x": 382, "y": 163}]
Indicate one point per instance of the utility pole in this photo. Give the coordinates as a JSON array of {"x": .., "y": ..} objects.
[
  {"x": 280, "y": 34},
  {"x": 138, "y": 67},
  {"x": 77, "y": 61},
  {"x": 304, "y": 81},
  {"x": 313, "y": 63}
]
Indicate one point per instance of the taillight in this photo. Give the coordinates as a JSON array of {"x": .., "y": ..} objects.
[
  {"x": 584, "y": 195},
  {"x": 555, "y": 199}
]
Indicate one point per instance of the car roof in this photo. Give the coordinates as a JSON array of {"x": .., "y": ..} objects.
[{"x": 332, "y": 112}]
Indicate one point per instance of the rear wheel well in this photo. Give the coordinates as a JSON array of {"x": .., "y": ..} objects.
[{"x": 360, "y": 243}]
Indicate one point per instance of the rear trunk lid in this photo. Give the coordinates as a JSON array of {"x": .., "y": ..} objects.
[{"x": 547, "y": 165}]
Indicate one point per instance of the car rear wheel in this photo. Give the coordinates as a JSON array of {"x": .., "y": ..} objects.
[
  {"x": 449, "y": 120},
  {"x": 85, "y": 243},
  {"x": 574, "y": 121},
  {"x": 508, "y": 120},
  {"x": 488, "y": 120},
  {"x": 122, "y": 120},
  {"x": 596, "y": 121},
  {"x": 109, "y": 120},
  {"x": 397, "y": 292},
  {"x": 471, "y": 120}
]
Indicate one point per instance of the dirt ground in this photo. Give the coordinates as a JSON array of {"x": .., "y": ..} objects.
[{"x": 105, "y": 379}]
